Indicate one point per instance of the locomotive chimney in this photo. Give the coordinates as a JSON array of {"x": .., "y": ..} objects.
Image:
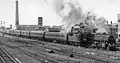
[
  {"x": 17, "y": 15},
  {"x": 107, "y": 22}
]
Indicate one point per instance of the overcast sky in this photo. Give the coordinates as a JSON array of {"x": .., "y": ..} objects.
[{"x": 29, "y": 10}]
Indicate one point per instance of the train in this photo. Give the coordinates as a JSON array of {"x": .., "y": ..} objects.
[{"x": 74, "y": 37}]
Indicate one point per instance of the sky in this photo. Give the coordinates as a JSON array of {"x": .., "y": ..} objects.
[{"x": 30, "y": 10}]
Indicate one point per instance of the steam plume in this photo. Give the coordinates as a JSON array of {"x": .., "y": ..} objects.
[
  {"x": 58, "y": 4},
  {"x": 71, "y": 13}
]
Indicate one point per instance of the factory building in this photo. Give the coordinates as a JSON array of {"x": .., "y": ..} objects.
[
  {"x": 27, "y": 27},
  {"x": 109, "y": 29},
  {"x": 32, "y": 27}
]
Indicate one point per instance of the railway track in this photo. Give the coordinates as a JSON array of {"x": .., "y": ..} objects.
[
  {"x": 6, "y": 57},
  {"x": 109, "y": 54},
  {"x": 38, "y": 57},
  {"x": 95, "y": 58},
  {"x": 65, "y": 60},
  {"x": 44, "y": 56},
  {"x": 80, "y": 54}
]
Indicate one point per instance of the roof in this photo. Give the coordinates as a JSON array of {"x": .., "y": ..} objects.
[
  {"x": 28, "y": 25},
  {"x": 54, "y": 29},
  {"x": 101, "y": 30}
]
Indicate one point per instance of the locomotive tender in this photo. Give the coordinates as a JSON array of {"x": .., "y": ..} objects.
[{"x": 78, "y": 38}]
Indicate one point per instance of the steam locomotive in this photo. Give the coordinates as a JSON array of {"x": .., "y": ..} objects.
[
  {"x": 94, "y": 40},
  {"x": 77, "y": 38}
]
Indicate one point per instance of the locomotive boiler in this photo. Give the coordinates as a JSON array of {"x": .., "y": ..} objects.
[{"x": 100, "y": 41}]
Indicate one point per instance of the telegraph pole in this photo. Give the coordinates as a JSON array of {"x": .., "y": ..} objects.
[
  {"x": 1, "y": 24},
  {"x": 111, "y": 27},
  {"x": 4, "y": 24},
  {"x": 10, "y": 26}
]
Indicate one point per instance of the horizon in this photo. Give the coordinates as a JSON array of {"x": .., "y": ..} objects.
[{"x": 30, "y": 10}]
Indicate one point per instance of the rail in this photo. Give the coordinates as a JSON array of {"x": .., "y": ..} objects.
[{"x": 6, "y": 57}]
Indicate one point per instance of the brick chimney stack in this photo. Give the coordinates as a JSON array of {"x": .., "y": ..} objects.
[{"x": 17, "y": 15}]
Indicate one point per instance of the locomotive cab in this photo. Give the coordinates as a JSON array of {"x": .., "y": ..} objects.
[
  {"x": 111, "y": 39},
  {"x": 112, "y": 42},
  {"x": 74, "y": 36},
  {"x": 86, "y": 39}
]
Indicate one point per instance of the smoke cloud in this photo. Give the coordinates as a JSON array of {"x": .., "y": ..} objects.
[
  {"x": 71, "y": 13},
  {"x": 58, "y": 5}
]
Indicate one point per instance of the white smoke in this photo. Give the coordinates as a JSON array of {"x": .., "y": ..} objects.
[
  {"x": 71, "y": 13},
  {"x": 58, "y": 5}
]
